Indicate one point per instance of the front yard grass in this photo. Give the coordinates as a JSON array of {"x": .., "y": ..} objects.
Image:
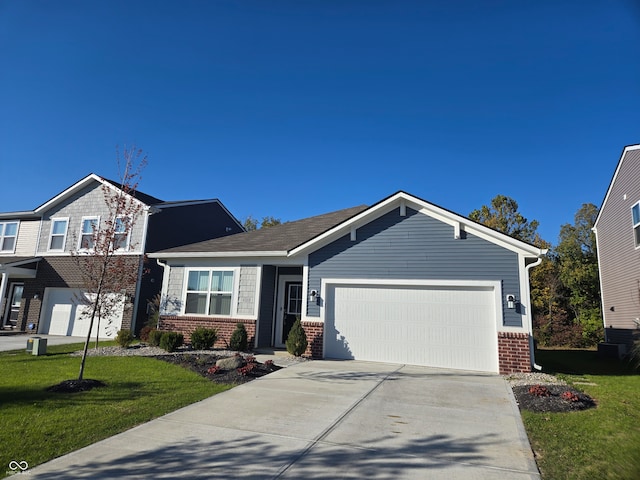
[
  {"x": 37, "y": 426},
  {"x": 603, "y": 442}
]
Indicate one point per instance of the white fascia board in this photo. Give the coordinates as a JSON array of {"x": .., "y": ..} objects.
[
  {"x": 457, "y": 222},
  {"x": 628, "y": 148},
  {"x": 345, "y": 227},
  {"x": 80, "y": 185},
  {"x": 239, "y": 255}
]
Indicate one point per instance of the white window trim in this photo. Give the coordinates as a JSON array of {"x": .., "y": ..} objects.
[
  {"x": 234, "y": 292},
  {"x": 88, "y": 217},
  {"x": 127, "y": 246},
  {"x": 64, "y": 236},
  {"x": 635, "y": 225},
  {"x": 3, "y": 236}
]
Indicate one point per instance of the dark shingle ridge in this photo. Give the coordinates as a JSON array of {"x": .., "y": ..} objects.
[{"x": 283, "y": 237}]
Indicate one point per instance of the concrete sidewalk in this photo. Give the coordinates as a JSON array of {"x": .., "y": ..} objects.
[
  {"x": 325, "y": 419},
  {"x": 18, "y": 341}
]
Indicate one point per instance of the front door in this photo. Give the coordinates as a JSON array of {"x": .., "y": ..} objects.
[
  {"x": 289, "y": 306},
  {"x": 13, "y": 308}
]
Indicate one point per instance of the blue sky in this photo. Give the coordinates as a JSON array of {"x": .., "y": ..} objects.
[{"x": 296, "y": 108}]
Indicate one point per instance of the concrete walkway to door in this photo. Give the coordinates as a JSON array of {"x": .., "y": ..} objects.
[{"x": 325, "y": 419}]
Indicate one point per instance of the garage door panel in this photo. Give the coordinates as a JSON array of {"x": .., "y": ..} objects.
[
  {"x": 451, "y": 327},
  {"x": 63, "y": 313}
]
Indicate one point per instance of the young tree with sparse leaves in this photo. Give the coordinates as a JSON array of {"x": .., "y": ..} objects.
[{"x": 104, "y": 267}]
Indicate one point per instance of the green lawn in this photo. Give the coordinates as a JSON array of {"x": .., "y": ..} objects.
[
  {"x": 599, "y": 443},
  {"x": 36, "y": 426}
]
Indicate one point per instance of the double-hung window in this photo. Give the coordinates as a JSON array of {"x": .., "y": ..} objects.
[
  {"x": 58, "y": 233},
  {"x": 88, "y": 231},
  {"x": 8, "y": 235},
  {"x": 209, "y": 292},
  {"x": 121, "y": 231},
  {"x": 635, "y": 214}
]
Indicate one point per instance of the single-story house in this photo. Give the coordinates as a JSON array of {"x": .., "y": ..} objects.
[{"x": 403, "y": 281}]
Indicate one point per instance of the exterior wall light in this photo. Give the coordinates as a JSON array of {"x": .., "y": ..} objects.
[
  {"x": 511, "y": 300},
  {"x": 313, "y": 296}
]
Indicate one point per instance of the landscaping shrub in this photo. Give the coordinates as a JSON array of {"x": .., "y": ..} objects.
[
  {"x": 124, "y": 338},
  {"x": 238, "y": 339},
  {"x": 297, "y": 339},
  {"x": 144, "y": 334},
  {"x": 203, "y": 338},
  {"x": 170, "y": 341},
  {"x": 154, "y": 337}
]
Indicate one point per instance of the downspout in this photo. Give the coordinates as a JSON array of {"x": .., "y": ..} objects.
[{"x": 531, "y": 349}]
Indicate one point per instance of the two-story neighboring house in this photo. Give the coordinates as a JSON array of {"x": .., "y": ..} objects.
[
  {"x": 617, "y": 230},
  {"x": 40, "y": 283}
]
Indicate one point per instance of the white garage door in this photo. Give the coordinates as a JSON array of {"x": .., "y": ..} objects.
[
  {"x": 448, "y": 327},
  {"x": 62, "y": 315}
]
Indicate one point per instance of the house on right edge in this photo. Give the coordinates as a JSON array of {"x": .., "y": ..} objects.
[{"x": 617, "y": 230}]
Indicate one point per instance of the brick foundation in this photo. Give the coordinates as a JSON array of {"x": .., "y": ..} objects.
[
  {"x": 224, "y": 326},
  {"x": 315, "y": 337},
  {"x": 514, "y": 354}
]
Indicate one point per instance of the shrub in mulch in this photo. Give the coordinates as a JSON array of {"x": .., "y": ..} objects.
[
  {"x": 205, "y": 365},
  {"x": 551, "y": 398}
]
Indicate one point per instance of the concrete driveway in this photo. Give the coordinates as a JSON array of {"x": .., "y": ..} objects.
[
  {"x": 19, "y": 341},
  {"x": 325, "y": 419}
]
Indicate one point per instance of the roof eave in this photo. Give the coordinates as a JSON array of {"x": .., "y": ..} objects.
[{"x": 245, "y": 254}]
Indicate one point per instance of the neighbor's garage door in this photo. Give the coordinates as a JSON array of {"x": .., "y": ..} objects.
[
  {"x": 62, "y": 315},
  {"x": 448, "y": 327}
]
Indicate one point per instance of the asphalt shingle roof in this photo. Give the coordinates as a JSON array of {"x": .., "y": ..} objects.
[{"x": 283, "y": 237}]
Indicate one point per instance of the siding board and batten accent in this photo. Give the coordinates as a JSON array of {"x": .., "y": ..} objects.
[{"x": 415, "y": 246}]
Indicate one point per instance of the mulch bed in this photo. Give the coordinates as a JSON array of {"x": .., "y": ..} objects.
[
  {"x": 202, "y": 363},
  {"x": 551, "y": 398},
  {"x": 74, "y": 386}
]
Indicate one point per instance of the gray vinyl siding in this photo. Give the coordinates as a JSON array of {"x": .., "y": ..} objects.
[
  {"x": 247, "y": 290},
  {"x": 618, "y": 257},
  {"x": 265, "y": 315},
  {"x": 415, "y": 247},
  {"x": 173, "y": 301},
  {"x": 88, "y": 202}
]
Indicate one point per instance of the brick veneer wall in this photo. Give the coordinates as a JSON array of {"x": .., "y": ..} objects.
[
  {"x": 224, "y": 326},
  {"x": 315, "y": 336},
  {"x": 514, "y": 354}
]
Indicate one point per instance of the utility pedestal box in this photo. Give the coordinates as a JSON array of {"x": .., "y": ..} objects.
[{"x": 39, "y": 346}]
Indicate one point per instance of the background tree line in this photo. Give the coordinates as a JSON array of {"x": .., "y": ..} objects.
[{"x": 565, "y": 288}]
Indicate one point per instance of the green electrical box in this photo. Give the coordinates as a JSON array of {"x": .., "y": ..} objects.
[{"x": 39, "y": 346}]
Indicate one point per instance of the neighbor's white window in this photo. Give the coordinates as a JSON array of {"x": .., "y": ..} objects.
[
  {"x": 122, "y": 233},
  {"x": 8, "y": 235},
  {"x": 635, "y": 213},
  {"x": 209, "y": 292},
  {"x": 58, "y": 233},
  {"x": 88, "y": 230}
]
